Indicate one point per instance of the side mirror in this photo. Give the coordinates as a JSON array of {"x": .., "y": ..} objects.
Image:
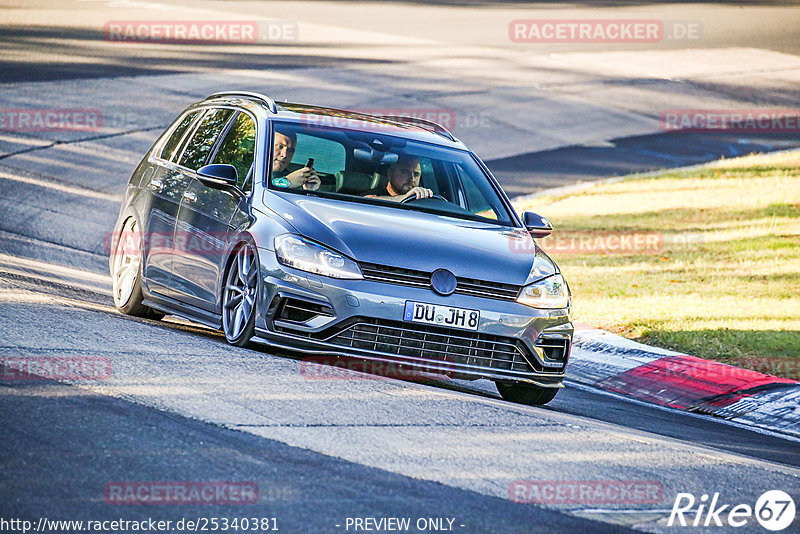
[
  {"x": 537, "y": 225},
  {"x": 219, "y": 176}
]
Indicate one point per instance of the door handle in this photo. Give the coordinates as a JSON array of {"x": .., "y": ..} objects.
[
  {"x": 189, "y": 196},
  {"x": 156, "y": 185}
]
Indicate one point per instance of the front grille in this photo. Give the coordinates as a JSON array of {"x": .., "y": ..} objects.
[
  {"x": 413, "y": 278},
  {"x": 481, "y": 288},
  {"x": 454, "y": 348},
  {"x": 395, "y": 275}
]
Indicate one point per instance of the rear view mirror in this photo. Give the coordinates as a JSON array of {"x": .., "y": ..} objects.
[
  {"x": 374, "y": 156},
  {"x": 219, "y": 176},
  {"x": 537, "y": 225}
]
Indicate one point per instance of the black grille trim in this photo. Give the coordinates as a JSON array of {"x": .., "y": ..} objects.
[
  {"x": 452, "y": 348},
  {"x": 468, "y": 352},
  {"x": 414, "y": 278},
  {"x": 476, "y": 354}
]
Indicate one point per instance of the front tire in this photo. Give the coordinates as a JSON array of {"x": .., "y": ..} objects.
[
  {"x": 524, "y": 393},
  {"x": 239, "y": 295},
  {"x": 126, "y": 273}
]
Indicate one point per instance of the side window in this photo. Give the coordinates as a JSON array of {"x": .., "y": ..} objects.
[
  {"x": 169, "y": 151},
  {"x": 239, "y": 148},
  {"x": 329, "y": 156},
  {"x": 201, "y": 143}
]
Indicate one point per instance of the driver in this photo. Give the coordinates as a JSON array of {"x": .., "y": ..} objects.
[
  {"x": 404, "y": 177},
  {"x": 283, "y": 150}
]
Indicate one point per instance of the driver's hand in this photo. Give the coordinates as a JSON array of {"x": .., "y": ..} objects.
[
  {"x": 419, "y": 192},
  {"x": 305, "y": 177}
]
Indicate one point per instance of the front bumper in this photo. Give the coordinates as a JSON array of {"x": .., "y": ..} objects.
[{"x": 322, "y": 316}]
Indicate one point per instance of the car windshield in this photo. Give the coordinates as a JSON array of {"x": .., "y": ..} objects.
[{"x": 370, "y": 167}]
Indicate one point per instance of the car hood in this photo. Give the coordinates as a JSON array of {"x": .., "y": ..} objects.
[{"x": 411, "y": 239}]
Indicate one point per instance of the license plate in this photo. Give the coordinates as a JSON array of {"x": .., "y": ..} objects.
[{"x": 420, "y": 312}]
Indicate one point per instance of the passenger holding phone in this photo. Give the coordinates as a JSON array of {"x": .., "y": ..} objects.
[{"x": 284, "y": 147}]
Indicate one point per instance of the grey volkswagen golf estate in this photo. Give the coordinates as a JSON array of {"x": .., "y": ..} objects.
[{"x": 332, "y": 232}]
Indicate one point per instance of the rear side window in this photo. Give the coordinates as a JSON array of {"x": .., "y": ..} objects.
[
  {"x": 171, "y": 146},
  {"x": 201, "y": 143},
  {"x": 239, "y": 148}
]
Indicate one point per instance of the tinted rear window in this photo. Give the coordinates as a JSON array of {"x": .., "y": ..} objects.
[
  {"x": 201, "y": 143},
  {"x": 170, "y": 147}
]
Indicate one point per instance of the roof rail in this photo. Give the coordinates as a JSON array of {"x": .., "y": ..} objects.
[
  {"x": 248, "y": 94},
  {"x": 437, "y": 128}
]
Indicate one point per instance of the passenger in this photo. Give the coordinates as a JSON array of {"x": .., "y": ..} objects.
[
  {"x": 284, "y": 147},
  {"x": 403, "y": 183}
]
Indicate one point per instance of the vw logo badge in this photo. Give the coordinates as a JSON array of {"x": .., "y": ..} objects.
[{"x": 443, "y": 281}]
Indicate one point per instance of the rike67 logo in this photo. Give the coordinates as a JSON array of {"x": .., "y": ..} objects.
[{"x": 774, "y": 510}]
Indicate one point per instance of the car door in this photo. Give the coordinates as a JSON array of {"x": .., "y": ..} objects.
[
  {"x": 164, "y": 190},
  {"x": 206, "y": 214}
]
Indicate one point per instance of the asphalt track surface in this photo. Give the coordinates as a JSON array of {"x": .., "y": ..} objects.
[{"x": 181, "y": 405}]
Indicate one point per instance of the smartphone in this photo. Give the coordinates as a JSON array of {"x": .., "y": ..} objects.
[{"x": 310, "y": 163}]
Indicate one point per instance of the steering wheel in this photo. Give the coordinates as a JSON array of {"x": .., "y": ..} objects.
[{"x": 412, "y": 198}]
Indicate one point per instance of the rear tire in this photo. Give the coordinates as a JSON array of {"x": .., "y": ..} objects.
[
  {"x": 126, "y": 273},
  {"x": 524, "y": 393}
]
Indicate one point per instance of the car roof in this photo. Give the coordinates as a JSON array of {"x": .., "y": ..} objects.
[{"x": 402, "y": 125}]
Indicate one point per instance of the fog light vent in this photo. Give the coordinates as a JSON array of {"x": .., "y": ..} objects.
[
  {"x": 554, "y": 350},
  {"x": 296, "y": 310}
]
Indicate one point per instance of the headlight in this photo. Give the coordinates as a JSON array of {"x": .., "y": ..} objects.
[
  {"x": 542, "y": 267},
  {"x": 550, "y": 292},
  {"x": 300, "y": 253}
]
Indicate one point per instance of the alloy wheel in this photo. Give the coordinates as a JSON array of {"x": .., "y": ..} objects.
[
  {"x": 126, "y": 264},
  {"x": 239, "y": 295}
]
